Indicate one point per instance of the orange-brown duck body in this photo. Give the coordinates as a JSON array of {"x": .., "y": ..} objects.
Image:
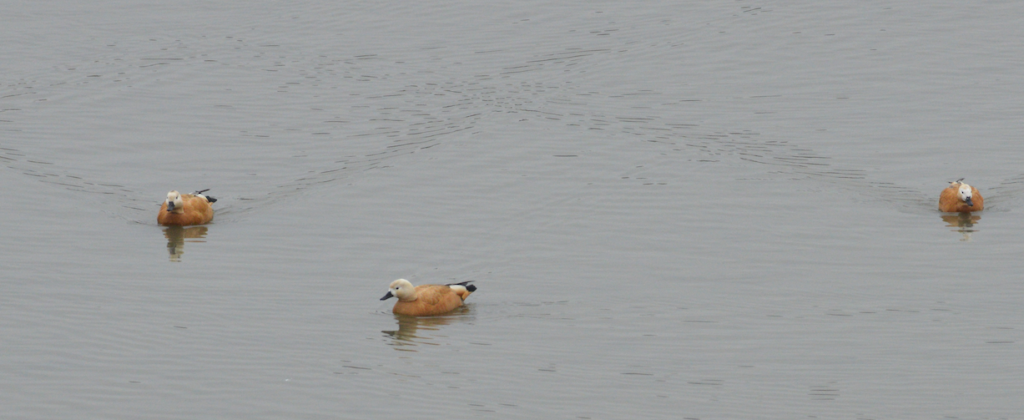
[
  {"x": 186, "y": 209},
  {"x": 427, "y": 299},
  {"x": 959, "y": 197}
]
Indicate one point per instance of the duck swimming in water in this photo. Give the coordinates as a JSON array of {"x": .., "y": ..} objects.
[
  {"x": 186, "y": 209},
  {"x": 427, "y": 299},
  {"x": 960, "y": 198}
]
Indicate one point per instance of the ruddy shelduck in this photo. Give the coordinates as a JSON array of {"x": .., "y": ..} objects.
[
  {"x": 428, "y": 299},
  {"x": 186, "y": 209},
  {"x": 960, "y": 198}
]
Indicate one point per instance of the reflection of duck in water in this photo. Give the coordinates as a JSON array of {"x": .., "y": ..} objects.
[
  {"x": 960, "y": 198},
  {"x": 186, "y": 209},
  {"x": 962, "y": 222},
  {"x": 413, "y": 330},
  {"x": 428, "y": 299},
  {"x": 176, "y": 236}
]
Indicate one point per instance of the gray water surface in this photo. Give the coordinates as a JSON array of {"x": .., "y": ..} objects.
[{"x": 714, "y": 210}]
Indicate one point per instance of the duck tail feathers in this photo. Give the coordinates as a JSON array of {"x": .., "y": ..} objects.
[
  {"x": 208, "y": 198},
  {"x": 465, "y": 284}
]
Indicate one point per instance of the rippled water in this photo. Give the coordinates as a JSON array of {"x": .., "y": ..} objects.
[{"x": 713, "y": 210}]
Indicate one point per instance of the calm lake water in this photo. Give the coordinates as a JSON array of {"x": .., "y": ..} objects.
[{"x": 710, "y": 210}]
